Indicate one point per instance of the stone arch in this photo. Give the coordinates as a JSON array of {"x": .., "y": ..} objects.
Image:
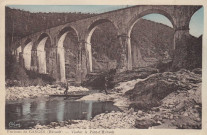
[
  {"x": 146, "y": 12},
  {"x": 61, "y": 50},
  {"x": 136, "y": 57},
  {"x": 44, "y": 41},
  {"x": 92, "y": 27},
  {"x": 27, "y": 53}
]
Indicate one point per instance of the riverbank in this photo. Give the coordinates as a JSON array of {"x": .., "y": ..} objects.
[
  {"x": 176, "y": 111},
  {"x": 178, "y": 95},
  {"x": 116, "y": 95},
  {"x": 18, "y": 93},
  {"x": 179, "y": 109}
]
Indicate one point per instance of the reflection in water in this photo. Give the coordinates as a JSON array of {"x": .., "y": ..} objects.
[
  {"x": 89, "y": 115},
  {"x": 40, "y": 110},
  {"x": 28, "y": 113},
  {"x": 25, "y": 108},
  {"x": 60, "y": 113}
]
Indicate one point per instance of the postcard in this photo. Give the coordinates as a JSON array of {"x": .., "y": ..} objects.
[{"x": 108, "y": 68}]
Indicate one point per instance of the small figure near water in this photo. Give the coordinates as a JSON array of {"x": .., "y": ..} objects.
[
  {"x": 66, "y": 89},
  {"x": 108, "y": 80},
  {"x": 106, "y": 84}
]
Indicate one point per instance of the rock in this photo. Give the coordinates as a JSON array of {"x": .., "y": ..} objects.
[
  {"x": 139, "y": 112},
  {"x": 131, "y": 111},
  {"x": 38, "y": 126},
  {"x": 156, "y": 109},
  {"x": 197, "y": 71},
  {"x": 159, "y": 122},
  {"x": 187, "y": 123},
  {"x": 196, "y": 115},
  {"x": 185, "y": 114},
  {"x": 180, "y": 107},
  {"x": 198, "y": 119},
  {"x": 62, "y": 124},
  {"x": 145, "y": 124},
  {"x": 53, "y": 124},
  {"x": 158, "y": 86},
  {"x": 157, "y": 117},
  {"x": 171, "y": 116}
]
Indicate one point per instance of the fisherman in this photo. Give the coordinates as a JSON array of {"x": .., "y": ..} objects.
[{"x": 66, "y": 89}]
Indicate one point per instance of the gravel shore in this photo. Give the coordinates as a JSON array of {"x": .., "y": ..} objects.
[
  {"x": 16, "y": 93},
  {"x": 169, "y": 115}
]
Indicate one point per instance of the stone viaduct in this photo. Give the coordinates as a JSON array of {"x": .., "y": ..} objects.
[{"x": 32, "y": 48}]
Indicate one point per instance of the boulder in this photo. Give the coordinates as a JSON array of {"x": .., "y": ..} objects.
[
  {"x": 149, "y": 93},
  {"x": 145, "y": 124}
]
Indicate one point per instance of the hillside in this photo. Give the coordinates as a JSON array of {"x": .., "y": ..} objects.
[{"x": 20, "y": 23}]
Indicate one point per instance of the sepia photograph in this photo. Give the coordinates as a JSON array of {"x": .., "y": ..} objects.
[{"x": 132, "y": 66}]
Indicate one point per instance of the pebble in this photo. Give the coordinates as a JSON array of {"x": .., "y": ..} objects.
[
  {"x": 159, "y": 122},
  {"x": 171, "y": 117},
  {"x": 139, "y": 112},
  {"x": 185, "y": 114}
]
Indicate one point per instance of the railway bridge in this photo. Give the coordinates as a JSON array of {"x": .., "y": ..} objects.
[{"x": 43, "y": 52}]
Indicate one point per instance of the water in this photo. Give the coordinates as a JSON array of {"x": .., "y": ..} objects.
[{"x": 27, "y": 113}]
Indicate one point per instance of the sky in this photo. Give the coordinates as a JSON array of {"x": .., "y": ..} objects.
[{"x": 196, "y": 23}]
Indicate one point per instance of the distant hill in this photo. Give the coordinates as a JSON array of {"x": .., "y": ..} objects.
[{"x": 20, "y": 23}]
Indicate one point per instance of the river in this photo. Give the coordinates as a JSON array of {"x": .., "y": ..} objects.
[{"x": 26, "y": 113}]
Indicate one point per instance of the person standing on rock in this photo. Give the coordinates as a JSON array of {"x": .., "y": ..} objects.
[
  {"x": 106, "y": 84},
  {"x": 108, "y": 79},
  {"x": 66, "y": 89}
]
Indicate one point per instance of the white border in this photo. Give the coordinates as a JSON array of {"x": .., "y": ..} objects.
[{"x": 107, "y": 2}]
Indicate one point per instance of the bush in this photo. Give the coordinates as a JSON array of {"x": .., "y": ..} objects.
[
  {"x": 18, "y": 76},
  {"x": 17, "y": 73}
]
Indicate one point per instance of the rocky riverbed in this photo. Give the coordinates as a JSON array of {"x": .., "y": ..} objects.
[{"x": 177, "y": 96}]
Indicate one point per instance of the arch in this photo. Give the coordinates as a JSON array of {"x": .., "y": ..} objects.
[
  {"x": 146, "y": 12},
  {"x": 89, "y": 34},
  {"x": 196, "y": 22},
  {"x": 67, "y": 29},
  {"x": 61, "y": 50},
  {"x": 136, "y": 54},
  {"x": 41, "y": 52},
  {"x": 27, "y": 53},
  {"x": 94, "y": 25}
]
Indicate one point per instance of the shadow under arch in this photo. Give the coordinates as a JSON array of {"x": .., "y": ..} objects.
[
  {"x": 92, "y": 27},
  {"x": 43, "y": 48},
  {"x": 17, "y": 51},
  {"x": 62, "y": 56}
]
